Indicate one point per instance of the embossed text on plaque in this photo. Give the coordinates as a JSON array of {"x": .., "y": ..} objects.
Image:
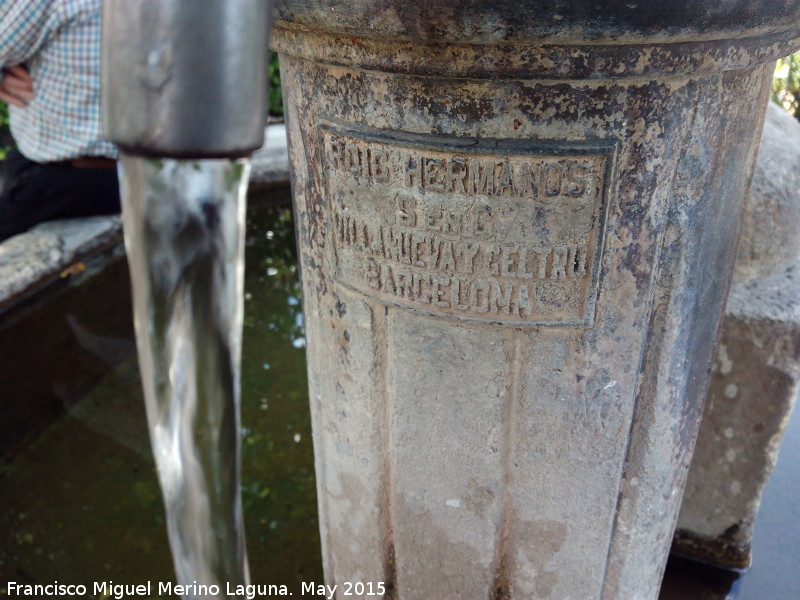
[{"x": 508, "y": 237}]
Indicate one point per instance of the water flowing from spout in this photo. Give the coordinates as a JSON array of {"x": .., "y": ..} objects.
[{"x": 184, "y": 227}]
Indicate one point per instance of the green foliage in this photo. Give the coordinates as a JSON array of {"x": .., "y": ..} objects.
[
  {"x": 275, "y": 94},
  {"x": 786, "y": 84}
]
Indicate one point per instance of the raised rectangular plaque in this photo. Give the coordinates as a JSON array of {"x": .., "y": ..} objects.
[{"x": 498, "y": 231}]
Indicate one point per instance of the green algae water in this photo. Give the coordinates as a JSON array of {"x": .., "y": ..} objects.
[
  {"x": 184, "y": 226},
  {"x": 82, "y": 501}
]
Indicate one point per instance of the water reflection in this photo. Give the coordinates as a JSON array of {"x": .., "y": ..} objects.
[{"x": 80, "y": 504}]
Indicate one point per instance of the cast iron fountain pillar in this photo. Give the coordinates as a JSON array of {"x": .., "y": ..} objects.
[{"x": 516, "y": 224}]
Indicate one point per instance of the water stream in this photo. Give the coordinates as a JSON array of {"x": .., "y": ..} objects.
[{"x": 184, "y": 228}]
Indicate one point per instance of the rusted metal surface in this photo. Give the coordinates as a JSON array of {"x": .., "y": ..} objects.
[
  {"x": 492, "y": 21},
  {"x": 514, "y": 257}
]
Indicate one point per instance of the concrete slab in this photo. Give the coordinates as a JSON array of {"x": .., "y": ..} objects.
[
  {"x": 270, "y": 164},
  {"x": 28, "y": 259},
  {"x": 751, "y": 396}
]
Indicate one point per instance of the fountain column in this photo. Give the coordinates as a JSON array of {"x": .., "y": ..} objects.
[{"x": 516, "y": 225}]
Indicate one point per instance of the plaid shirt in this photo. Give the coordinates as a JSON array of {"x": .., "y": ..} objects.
[{"x": 59, "y": 42}]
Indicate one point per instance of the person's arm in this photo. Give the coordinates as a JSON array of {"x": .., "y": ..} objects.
[
  {"x": 16, "y": 86},
  {"x": 23, "y": 31}
]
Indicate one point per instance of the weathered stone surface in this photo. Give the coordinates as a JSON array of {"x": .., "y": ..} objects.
[
  {"x": 44, "y": 251},
  {"x": 751, "y": 396},
  {"x": 504, "y": 376},
  {"x": 270, "y": 163},
  {"x": 755, "y": 379},
  {"x": 770, "y": 239}
]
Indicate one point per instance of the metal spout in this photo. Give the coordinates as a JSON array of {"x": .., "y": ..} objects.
[{"x": 185, "y": 79}]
